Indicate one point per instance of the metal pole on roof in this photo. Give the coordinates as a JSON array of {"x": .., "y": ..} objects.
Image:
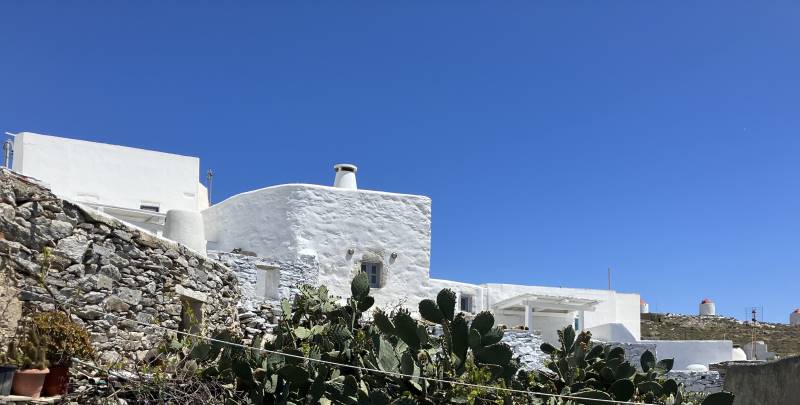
[
  {"x": 209, "y": 183},
  {"x": 609, "y": 278},
  {"x": 8, "y": 150}
]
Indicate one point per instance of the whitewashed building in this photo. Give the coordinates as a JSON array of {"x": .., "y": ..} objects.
[
  {"x": 289, "y": 234},
  {"x": 135, "y": 185}
]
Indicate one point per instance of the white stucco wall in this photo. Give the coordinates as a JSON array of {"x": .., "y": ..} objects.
[
  {"x": 686, "y": 352},
  {"x": 106, "y": 174},
  {"x": 613, "y": 307},
  {"x": 612, "y": 332},
  {"x": 476, "y": 291},
  {"x": 285, "y": 221}
]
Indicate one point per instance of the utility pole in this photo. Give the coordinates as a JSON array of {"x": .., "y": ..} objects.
[{"x": 753, "y": 342}]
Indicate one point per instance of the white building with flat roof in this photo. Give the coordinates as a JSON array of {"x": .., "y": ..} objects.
[
  {"x": 306, "y": 233},
  {"x": 135, "y": 185}
]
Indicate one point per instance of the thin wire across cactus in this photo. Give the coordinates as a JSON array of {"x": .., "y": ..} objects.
[
  {"x": 315, "y": 326},
  {"x": 420, "y": 367}
]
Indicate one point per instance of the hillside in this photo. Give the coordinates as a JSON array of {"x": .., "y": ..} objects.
[{"x": 780, "y": 338}]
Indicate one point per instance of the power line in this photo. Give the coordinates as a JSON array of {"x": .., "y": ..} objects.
[{"x": 366, "y": 369}]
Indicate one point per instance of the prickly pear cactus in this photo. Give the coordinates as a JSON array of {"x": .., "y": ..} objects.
[{"x": 585, "y": 370}]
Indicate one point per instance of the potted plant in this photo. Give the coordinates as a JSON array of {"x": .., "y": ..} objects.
[
  {"x": 31, "y": 361},
  {"x": 62, "y": 340},
  {"x": 7, "y": 369}
]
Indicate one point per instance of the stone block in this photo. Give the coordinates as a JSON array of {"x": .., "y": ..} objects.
[
  {"x": 110, "y": 272},
  {"x": 115, "y": 304},
  {"x": 104, "y": 282},
  {"x": 129, "y": 295},
  {"x": 94, "y": 297},
  {"x": 73, "y": 247}
]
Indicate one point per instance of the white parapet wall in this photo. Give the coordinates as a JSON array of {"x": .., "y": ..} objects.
[
  {"x": 687, "y": 352},
  {"x": 110, "y": 175}
]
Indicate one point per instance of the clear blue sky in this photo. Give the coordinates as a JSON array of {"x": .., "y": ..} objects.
[{"x": 555, "y": 138}]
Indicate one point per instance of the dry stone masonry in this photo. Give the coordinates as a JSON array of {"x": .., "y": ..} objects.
[
  {"x": 707, "y": 382},
  {"x": 694, "y": 381},
  {"x": 526, "y": 348},
  {"x": 634, "y": 351},
  {"x": 111, "y": 276},
  {"x": 264, "y": 282},
  {"x": 268, "y": 279}
]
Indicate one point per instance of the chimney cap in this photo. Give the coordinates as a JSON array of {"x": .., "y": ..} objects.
[{"x": 347, "y": 167}]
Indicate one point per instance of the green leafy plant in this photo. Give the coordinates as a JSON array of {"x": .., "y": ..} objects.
[
  {"x": 28, "y": 352},
  {"x": 62, "y": 338}
]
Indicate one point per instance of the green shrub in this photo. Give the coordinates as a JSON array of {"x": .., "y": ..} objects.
[{"x": 62, "y": 338}]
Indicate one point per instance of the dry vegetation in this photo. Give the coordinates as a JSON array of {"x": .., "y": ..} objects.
[{"x": 780, "y": 338}]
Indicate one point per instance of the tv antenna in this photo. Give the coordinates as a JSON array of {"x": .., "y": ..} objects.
[
  {"x": 756, "y": 316},
  {"x": 209, "y": 183}
]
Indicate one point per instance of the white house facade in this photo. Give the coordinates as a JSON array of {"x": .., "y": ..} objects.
[{"x": 285, "y": 235}]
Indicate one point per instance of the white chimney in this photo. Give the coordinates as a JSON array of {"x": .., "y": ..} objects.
[{"x": 345, "y": 176}]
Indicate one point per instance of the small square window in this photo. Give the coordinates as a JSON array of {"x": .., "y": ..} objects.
[
  {"x": 373, "y": 271},
  {"x": 467, "y": 302}
]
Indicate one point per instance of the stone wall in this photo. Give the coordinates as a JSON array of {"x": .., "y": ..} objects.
[
  {"x": 634, "y": 351},
  {"x": 259, "y": 286},
  {"x": 695, "y": 381},
  {"x": 764, "y": 383},
  {"x": 95, "y": 265},
  {"x": 699, "y": 381},
  {"x": 264, "y": 282},
  {"x": 526, "y": 348}
]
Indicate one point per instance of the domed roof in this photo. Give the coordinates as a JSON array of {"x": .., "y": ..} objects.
[
  {"x": 706, "y": 301},
  {"x": 796, "y": 311},
  {"x": 642, "y": 302}
]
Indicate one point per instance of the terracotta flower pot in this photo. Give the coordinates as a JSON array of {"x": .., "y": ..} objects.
[
  {"x": 57, "y": 381},
  {"x": 6, "y": 376},
  {"x": 29, "y": 383}
]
